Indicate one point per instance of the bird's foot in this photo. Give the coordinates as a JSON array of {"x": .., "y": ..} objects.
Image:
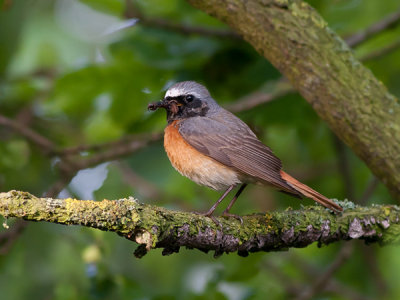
[
  {"x": 209, "y": 215},
  {"x": 229, "y": 215}
]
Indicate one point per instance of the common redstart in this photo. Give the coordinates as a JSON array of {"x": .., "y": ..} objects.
[{"x": 213, "y": 147}]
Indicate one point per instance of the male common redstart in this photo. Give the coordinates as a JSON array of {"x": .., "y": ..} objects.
[{"x": 213, "y": 147}]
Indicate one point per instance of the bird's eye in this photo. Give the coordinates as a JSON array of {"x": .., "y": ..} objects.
[{"x": 189, "y": 98}]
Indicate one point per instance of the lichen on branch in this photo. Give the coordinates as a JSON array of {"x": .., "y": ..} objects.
[{"x": 155, "y": 227}]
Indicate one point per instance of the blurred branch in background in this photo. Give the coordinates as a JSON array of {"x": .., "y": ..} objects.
[
  {"x": 344, "y": 167},
  {"x": 332, "y": 285},
  {"x": 381, "y": 52},
  {"x": 144, "y": 187},
  {"x": 132, "y": 11},
  {"x": 11, "y": 235},
  {"x": 388, "y": 22},
  {"x": 66, "y": 166},
  {"x": 281, "y": 88},
  {"x": 372, "y": 185},
  {"x": 114, "y": 150},
  {"x": 321, "y": 281},
  {"x": 122, "y": 146},
  {"x": 69, "y": 164},
  {"x": 155, "y": 227},
  {"x": 369, "y": 255},
  {"x": 45, "y": 145}
]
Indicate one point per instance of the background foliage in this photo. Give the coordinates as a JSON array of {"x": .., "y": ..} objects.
[{"x": 78, "y": 74}]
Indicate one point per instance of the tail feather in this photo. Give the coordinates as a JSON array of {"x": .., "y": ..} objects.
[{"x": 308, "y": 192}]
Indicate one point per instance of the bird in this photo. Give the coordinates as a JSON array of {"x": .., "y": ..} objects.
[{"x": 214, "y": 148}]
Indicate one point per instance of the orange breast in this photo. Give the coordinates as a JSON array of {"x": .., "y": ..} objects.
[{"x": 196, "y": 166}]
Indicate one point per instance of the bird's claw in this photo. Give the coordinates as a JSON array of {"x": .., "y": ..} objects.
[
  {"x": 209, "y": 215},
  {"x": 229, "y": 215}
]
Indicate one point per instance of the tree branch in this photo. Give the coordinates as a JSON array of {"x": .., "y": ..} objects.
[{"x": 156, "y": 227}]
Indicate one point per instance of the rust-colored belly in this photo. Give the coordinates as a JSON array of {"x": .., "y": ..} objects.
[{"x": 196, "y": 166}]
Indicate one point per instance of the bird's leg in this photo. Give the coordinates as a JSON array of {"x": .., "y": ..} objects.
[
  {"x": 212, "y": 209},
  {"x": 226, "y": 211}
]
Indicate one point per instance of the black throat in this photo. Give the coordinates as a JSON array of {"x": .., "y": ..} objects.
[{"x": 185, "y": 109}]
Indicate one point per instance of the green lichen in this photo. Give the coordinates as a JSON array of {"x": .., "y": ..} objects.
[{"x": 153, "y": 225}]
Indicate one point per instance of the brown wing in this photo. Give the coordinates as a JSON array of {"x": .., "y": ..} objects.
[{"x": 227, "y": 139}]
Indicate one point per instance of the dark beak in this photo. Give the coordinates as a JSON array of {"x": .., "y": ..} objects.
[{"x": 156, "y": 105}]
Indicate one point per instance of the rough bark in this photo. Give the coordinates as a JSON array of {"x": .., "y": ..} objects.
[
  {"x": 319, "y": 64},
  {"x": 155, "y": 227}
]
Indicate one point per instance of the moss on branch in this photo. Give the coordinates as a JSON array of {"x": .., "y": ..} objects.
[{"x": 156, "y": 227}]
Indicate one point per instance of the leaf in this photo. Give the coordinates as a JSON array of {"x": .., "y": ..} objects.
[{"x": 113, "y": 7}]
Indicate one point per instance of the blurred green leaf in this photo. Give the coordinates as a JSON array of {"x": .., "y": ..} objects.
[
  {"x": 14, "y": 154},
  {"x": 113, "y": 7}
]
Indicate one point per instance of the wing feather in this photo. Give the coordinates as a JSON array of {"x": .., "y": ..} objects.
[{"x": 227, "y": 139}]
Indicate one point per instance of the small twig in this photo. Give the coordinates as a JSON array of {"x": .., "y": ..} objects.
[
  {"x": 370, "y": 258},
  {"x": 144, "y": 187},
  {"x": 43, "y": 143},
  {"x": 292, "y": 288},
  {"x": 70, "y": 165},
  {"x": 132, "y": 11},
  {"x": 333, "y": 285},
  {"x": 110, "y": 151},
  {"x": 188, "y": 29},
  {"x": 10, "y": 236},
  {"x": 381, "y": 52},
  {"x": 322, "y": 280},
  {"x": 343, "y": 166},
  {"x": 387, "y": 22},
  {"x": 125, "y": 142},
  {"x": 25, "y": 116},
  {"x": 345, "y": 291},
  {"x": 117, "y": 152},
  {"x": 372, "y": 185},
  {"x": 255, "y": 99}
]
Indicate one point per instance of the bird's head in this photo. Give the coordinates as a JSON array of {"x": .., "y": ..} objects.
[{"x": 184, "y": 100}]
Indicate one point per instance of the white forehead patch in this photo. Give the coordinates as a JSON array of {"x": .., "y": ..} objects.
[{"x": 175, "y": 92}]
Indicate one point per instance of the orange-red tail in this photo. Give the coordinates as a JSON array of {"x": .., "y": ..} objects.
[{"x": 308, "y": 192}]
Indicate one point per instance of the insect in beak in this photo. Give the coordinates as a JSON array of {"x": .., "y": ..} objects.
[
  {"x": 174, "y": 107},
  {"x": 157, "y": 105},
  {"x": 171, "y": 105}
]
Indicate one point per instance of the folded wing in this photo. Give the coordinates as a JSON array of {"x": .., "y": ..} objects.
[{"x": 228, "y": 140}]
